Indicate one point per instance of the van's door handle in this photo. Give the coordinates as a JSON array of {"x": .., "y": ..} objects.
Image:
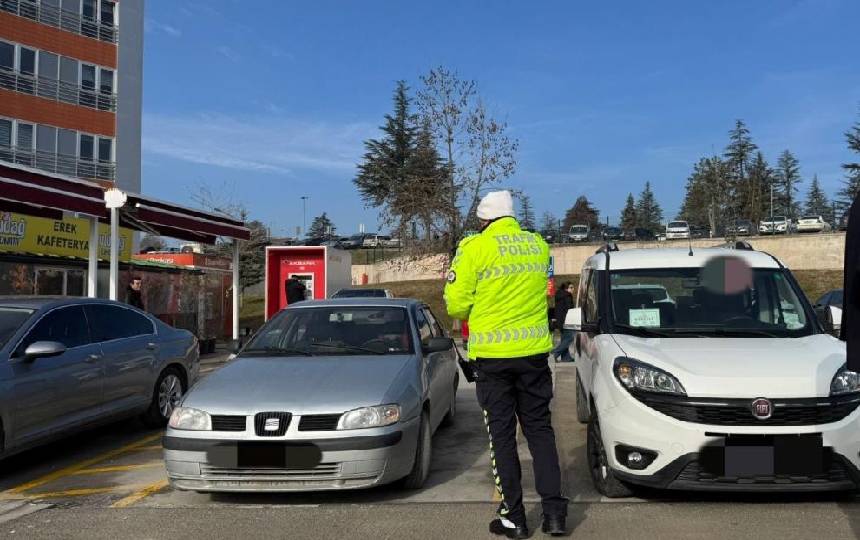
[{"x": 92, "y": 358}]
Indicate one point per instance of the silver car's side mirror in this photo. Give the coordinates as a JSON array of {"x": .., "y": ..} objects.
[
  {"x": 573, "y": 319},
  {"x": 43, "y": 349}
]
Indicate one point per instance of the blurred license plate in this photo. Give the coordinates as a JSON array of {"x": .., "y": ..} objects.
[
  {"x": 265, "y": 455},
  {"x": 745, "y": 456}
]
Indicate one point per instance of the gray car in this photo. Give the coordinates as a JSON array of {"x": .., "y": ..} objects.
[
  {"x": 71, "y": 363},
  {"x": 328, "y": 395}
]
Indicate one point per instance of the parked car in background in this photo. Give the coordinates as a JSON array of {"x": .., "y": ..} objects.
[
  {"x": 353, "y": 242},
  {"x": 67, "y": 364},
  {"x": 776, "y": 225},
  {"x": 579, "y": 233},
  {"x": 613, "y": 234},
  {"x": 363, "y": 293},
  {"x": 639, "y": 235},
  {"x": 677, "y": 230},
  {"x": 699, "y": 232},
  {"x": 348, "y": 393},
  {"x": 813, "y": 224},
  {"x": 741, "y": 227}
]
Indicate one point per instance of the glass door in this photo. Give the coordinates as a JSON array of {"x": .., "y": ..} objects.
[{"x": 60, "y": 281}]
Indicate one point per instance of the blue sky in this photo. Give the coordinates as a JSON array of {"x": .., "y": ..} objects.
[{"x": 272, "y": 103}]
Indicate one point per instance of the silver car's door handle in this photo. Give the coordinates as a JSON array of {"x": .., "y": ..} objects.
[
  {"x": 93, "y": 358},
  {"x": 151, "y": 346}
]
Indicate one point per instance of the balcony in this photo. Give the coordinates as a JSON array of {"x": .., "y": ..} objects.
[
  {"x": 59, "y": 163},
  {"x": 55, "y": 90},
  {"x": 60, "y": 18}
]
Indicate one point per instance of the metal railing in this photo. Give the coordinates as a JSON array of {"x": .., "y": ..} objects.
[
  {"x": 57, "y": 90},
  {"x": 60, "y": 18},
  {"x": 59, "y": 163}
]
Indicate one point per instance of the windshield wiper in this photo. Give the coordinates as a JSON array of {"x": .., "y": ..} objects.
[
  {"x": 277, "y": 351},
  {"x": 725, "y": 332},
  {"x": 639, "y": 330},
  {"x": 348, "y": 348}
]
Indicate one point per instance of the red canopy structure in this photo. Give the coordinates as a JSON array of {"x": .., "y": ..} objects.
[{"x": 34, "y": 192}]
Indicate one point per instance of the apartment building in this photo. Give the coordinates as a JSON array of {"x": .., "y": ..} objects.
[{"x": 70, "y": 87}]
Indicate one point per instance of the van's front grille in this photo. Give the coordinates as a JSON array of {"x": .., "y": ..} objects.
[{"x": 738, "y": 412}]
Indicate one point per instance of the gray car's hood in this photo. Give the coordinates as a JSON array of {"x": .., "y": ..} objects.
[{"x": 297, "y": 384}]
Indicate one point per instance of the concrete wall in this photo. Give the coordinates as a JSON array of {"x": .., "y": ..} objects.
[{"x": 798, "y": 252}]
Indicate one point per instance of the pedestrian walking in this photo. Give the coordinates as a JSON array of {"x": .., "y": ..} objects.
[
  {"x": 295, "y": 289},
  {"x": 563, "y": 303},
  {"x": 851, "y": 302},
  {"x": 134, "y": 293},
  {"x": 498, "y": 282}
]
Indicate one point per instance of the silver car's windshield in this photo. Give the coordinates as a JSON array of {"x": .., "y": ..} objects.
[
  {"x": 770, "y": 308},
  {"x": 335, "y": 330},
  {"x": 11, "y": 320}
]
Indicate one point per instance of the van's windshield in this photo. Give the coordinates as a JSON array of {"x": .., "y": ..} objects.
[{"x": 673, "y": 302}]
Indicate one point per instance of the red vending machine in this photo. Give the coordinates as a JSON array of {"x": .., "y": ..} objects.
[{"x": 322, "y": 269}]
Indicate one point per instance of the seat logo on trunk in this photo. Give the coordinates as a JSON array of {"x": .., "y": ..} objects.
[
  {"x": 272, "y": 424},
  {"x": 762, "y": 408}
]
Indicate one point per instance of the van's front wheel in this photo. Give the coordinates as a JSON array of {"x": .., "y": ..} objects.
[{"x": 602, "y": 477}]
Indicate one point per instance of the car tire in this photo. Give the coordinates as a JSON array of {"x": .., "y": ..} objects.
[
  {"x": 168, "y": 392},
  {"x": 582, "y": 414},
  {"x": 423, "y": 451},
  {"x": 602, "y": 476},
  {"x": 451, "y": 415}
]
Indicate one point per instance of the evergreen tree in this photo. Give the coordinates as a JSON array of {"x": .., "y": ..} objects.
[
  {"x": 707, "y": 199},
  {"x": 426, "y": 189},
  {"x": 787, "y": 178},
  {"x": 739, "y": 155},
  {"x": 383, "y": 173},
  {"x": 628, "y": 215},
  {"x": 757, "y": 201},
  {"x": 649, "y": 215},
  {"x": 852, "y": 178},
  {"x": 526, "y": 213},
  {"x": 252, "y": 254},
  {"x": 816, "y": 201},
  {"x": 581, "y": 213},
  {"x": 321, "y": 227}
]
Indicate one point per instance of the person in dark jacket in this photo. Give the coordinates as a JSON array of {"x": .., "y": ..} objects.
[
  {"x": 133, "y": 295},
  {"x": 851, "y": 304},
  {"x": 296, "y": 290},
  {"x": 563, "y": 303}
]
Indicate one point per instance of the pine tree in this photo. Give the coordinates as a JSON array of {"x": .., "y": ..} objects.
[
  {"x": 321, "y": 227},
  {"x": 628, "y": 215},
  {"x": 739, "y": 155},
  {"x": 383, "y": 173},
  {"x": 757, "y": 203},
  {"x": 787, "y": 178},
  {"x": 581, "y": 213},
  {"x": 649, "y": 215},
  {"x": 851, "y": 189},
  {"x": 816, "y": 201},
  {"x": 425, "y": 191},
  {"x": 526, "y": 213}
]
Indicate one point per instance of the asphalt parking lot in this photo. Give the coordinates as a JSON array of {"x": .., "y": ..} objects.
[{"x": 110, "y": 483}]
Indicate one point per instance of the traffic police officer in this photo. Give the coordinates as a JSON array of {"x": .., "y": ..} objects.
[{"x": 498, "y": 282}]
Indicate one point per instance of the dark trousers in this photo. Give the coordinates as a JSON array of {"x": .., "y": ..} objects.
[{"x": 514, "y": 389}]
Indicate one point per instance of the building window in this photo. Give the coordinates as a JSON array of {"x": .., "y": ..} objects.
[
  {"x": 46, "y": 148},
  {"x": 48, "y": 69},
  {"x": 86, "y": 153},
  {"x": 24, "y": 144},
  {"x": 27, "y": 69},
  {"x": 107, "y": 18},
  {"x": 105, "y": 89},
  {"x": 68, "y": 90},
  {"x": 5, "y": 139},
  {"x": 67, "y": 150},
  {"x": 88, "y": 85},
  {"x": 7, "y": 65},
  {"x": 105, "y": 167}
]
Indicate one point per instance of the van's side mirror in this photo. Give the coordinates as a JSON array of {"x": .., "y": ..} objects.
[
  {"x": 573, "y": 319},
  {"x": 438, "y": 344},
  {"x": 834, "y": 314},
  {"x": 43, "y": 349}
]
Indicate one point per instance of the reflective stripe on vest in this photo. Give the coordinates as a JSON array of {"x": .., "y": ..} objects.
[
  {"x": 508, "y": 334},
  {"x": 512, "y": 269}
]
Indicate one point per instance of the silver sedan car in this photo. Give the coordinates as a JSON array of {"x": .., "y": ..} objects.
[
  {"x": 332, "y": 394},
  {"x": 71, "y": 363}
]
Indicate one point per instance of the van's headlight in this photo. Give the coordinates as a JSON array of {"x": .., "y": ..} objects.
[
  {"x": 845, "y": 382},
  {"x": 190, "y": 419},
  {"x": 636, "y": 375},
  {"x": 369, "y": 417}
]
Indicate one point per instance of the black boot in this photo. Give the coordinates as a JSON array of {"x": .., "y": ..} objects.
[
  {"x": 497, "y": 527},
  {"x": 553, "y": 525}
]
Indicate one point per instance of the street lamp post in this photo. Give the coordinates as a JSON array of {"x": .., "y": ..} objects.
[{"x": 305, "y": 214}]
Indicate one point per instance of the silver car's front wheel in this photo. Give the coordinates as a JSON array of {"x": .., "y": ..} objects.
[{"x": 166, "y": 396}]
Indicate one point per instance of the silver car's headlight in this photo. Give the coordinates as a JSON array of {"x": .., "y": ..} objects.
[
  {"x": 636, "y": 375},
  {"x": 190, "y": 419},
  {"x": 369, "y": 417},
  {"x": 845, "y": 382}
]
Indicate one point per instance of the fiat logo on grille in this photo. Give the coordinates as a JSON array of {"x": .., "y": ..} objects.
[{"x": 762, "y": 408}]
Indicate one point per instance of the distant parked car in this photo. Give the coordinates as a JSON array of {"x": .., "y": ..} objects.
[
  {"x": 741, "y": 227},
  {"x": 677, "y": 230},
  {"x": 776, "y": 225},
  {"x": 639, "y": 235},
  {"x": 363, "y": 293},
  {"x": 353, "y": 242},
  {"x": 69, "y": 363},
  {"x": 380, "y": 241},
  {"x": 700, "y": 232},
  {"x": 613, "y": 234},
  {"x": 392, "y": 243},
  {"x": 579, "y": 233},
  {"x": 813, "y": 224}
]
